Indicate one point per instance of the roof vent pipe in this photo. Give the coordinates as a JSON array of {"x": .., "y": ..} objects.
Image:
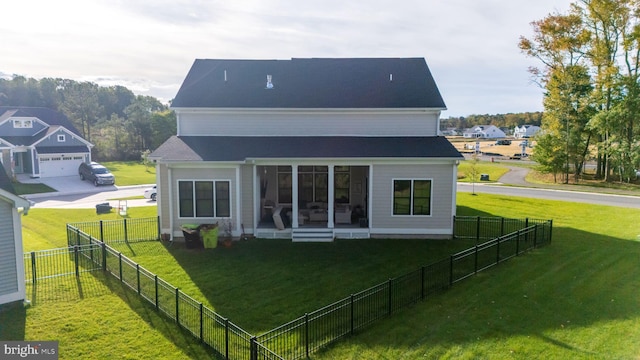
[
  {"x": 225, "y": 76},
  {"x": 390, "y": 77}
]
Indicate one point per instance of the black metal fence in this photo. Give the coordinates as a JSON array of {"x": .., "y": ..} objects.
[
  {"x": 119, "y": 231},
  {"x": 40, "y": 265},
  {"x": 301, "y": 337}
]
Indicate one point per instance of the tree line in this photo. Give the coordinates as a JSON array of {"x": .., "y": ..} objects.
[
  {"x": 120, "y": 124},
  {"x": 590, "y": 71},
  {"x": 509, "y": 121}
]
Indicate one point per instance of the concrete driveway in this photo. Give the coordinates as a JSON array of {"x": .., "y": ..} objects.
[{"x": 71, "y": 192}]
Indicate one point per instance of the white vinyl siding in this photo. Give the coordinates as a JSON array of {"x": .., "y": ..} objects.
[
  {"x": 301, "y": 123},
  {"x": 441, "y": 193},
  {"x": 8, "y": 266}
]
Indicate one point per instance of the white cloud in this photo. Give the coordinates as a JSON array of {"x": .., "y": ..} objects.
[{"x": 470, "y": 46}]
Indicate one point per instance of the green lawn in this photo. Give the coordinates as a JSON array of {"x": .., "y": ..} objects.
[
  {"x": 577, "y": 298},
  {"x": 494, "y": 170},
  {"x": 132, "y": 172}
]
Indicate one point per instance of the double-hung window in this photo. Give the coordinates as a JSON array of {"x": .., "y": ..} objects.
[
  {"x": 204, "y": 198},
  {"x": 411, "y": 197}
]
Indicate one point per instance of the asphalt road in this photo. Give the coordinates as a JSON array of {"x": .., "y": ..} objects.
[{"x": 550, "y": 194}]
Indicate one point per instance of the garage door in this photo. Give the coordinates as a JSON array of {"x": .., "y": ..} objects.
[{"x": 58, "y": 165}]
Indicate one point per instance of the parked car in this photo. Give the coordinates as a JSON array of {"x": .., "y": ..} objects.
[
  {"x": 150, "y": 193},
  {"x": 96, "y": 173},
  {"x": 503, "y": 142},
  {"x": 518, "y": 156}
]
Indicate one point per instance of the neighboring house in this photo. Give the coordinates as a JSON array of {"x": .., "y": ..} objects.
[
  {"x": 40, "y": 142},
  {"x": 484, "y": 132},
  {"x": 12, "y": 286},
  {"x": 525, "y": 131},
  {"x": 309, "y": 149}
]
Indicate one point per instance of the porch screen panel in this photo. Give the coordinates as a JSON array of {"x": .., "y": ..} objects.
[
  {"x": 422, "y": 197},
  {"x": 223, "y": 199},
  {"x": 342, "y": 184},
  {"x": 204, "y": 199},
  {"x": 305, "y": 188},
  {"x": 185, "y": 194}
]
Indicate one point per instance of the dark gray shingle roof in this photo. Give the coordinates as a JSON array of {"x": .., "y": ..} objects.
[
  {"x": 310, "y": 83},
  {"x": 49, "y": 116},
  {"x": 240, "y": 148}
]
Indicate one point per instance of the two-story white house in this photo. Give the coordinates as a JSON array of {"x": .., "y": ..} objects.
[
  {"x": 309, "y": 149},
  {"x": 484, "y": 132},
  {"x": 525, "y": 131},
  {"x": 40, "y": 142}
]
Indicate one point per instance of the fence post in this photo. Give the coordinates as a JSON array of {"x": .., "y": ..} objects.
[
  {"x": 126, "y": 238},
  {"x": 502, "y": 226},
  {"x": 77, "y": 237},
  {"x": 158, "y": 222},
  {"x": 75, "y": 258},
  {"x": 253, "y": 349},
  {"x": 226, "y": 341},
  {"x": 498, "y": 250},
  {"x": 352, "y": 313},
  {"x": 34, "y": 272},
  {"x": 450, "y": 270},
  {"x": 101, "y": 232},
  {"x": 155, "y": 280},
  {"x": 306, "y": 333},
  {"x": 475, "y": 261},
  {"x": 104, "y": 256},
  {"x": 422, "y": 276},
  {"x": 138, "y": 276},
  {"x": 177, "y": 306},
  {"x": 120, "y": 265},
  {"x": 390, "y": 296},
  {"x": 518, "y": 242},
  {"x": 535, "y": 235},
  {"x": 478, "y": 231},
  {"x": 201, "y": 324}
]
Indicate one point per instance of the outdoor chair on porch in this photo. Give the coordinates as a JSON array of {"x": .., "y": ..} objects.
[{"x": 343, "y": 214}]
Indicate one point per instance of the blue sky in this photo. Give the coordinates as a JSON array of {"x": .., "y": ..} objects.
[{"x": 149, "y": 45}]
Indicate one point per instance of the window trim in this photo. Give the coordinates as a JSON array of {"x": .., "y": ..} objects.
[
  {"x": 61, "y": 138},
  {"x": 194, "y": 198},
  {"x": 411, "y": 197}
]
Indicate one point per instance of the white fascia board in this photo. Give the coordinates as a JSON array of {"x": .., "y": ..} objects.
[{"x": 223, "y": 111}]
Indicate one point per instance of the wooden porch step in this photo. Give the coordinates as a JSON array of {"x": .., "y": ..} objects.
[{"x": 312, "y": 235}]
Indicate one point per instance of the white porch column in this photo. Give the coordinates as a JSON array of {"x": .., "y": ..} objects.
[
  {"x": 294, "y": 196},
  {"x": 257, "y": 198},
  {"x": 331, "y": 192}
]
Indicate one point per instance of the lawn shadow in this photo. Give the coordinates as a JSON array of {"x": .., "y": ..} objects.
[
  {"x": 65, "y": 288},
  {"x": 13, "y": 319}
]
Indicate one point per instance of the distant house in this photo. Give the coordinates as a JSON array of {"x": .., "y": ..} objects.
[
  {"x": 309, "y": 150},
  {"x": 40, "y": 142},
  {"x": 484, "y": 132},
  {"x": 525, "y": 131},
  {"x": 12, "y": 287}
]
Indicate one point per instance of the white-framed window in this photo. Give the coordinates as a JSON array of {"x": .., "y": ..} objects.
[
  {"x": 204, "y": 198},
  {"x": 412, "y": 197},
  {"x": 61, "y": 138},
  {"x": 22, "y": 123}
]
